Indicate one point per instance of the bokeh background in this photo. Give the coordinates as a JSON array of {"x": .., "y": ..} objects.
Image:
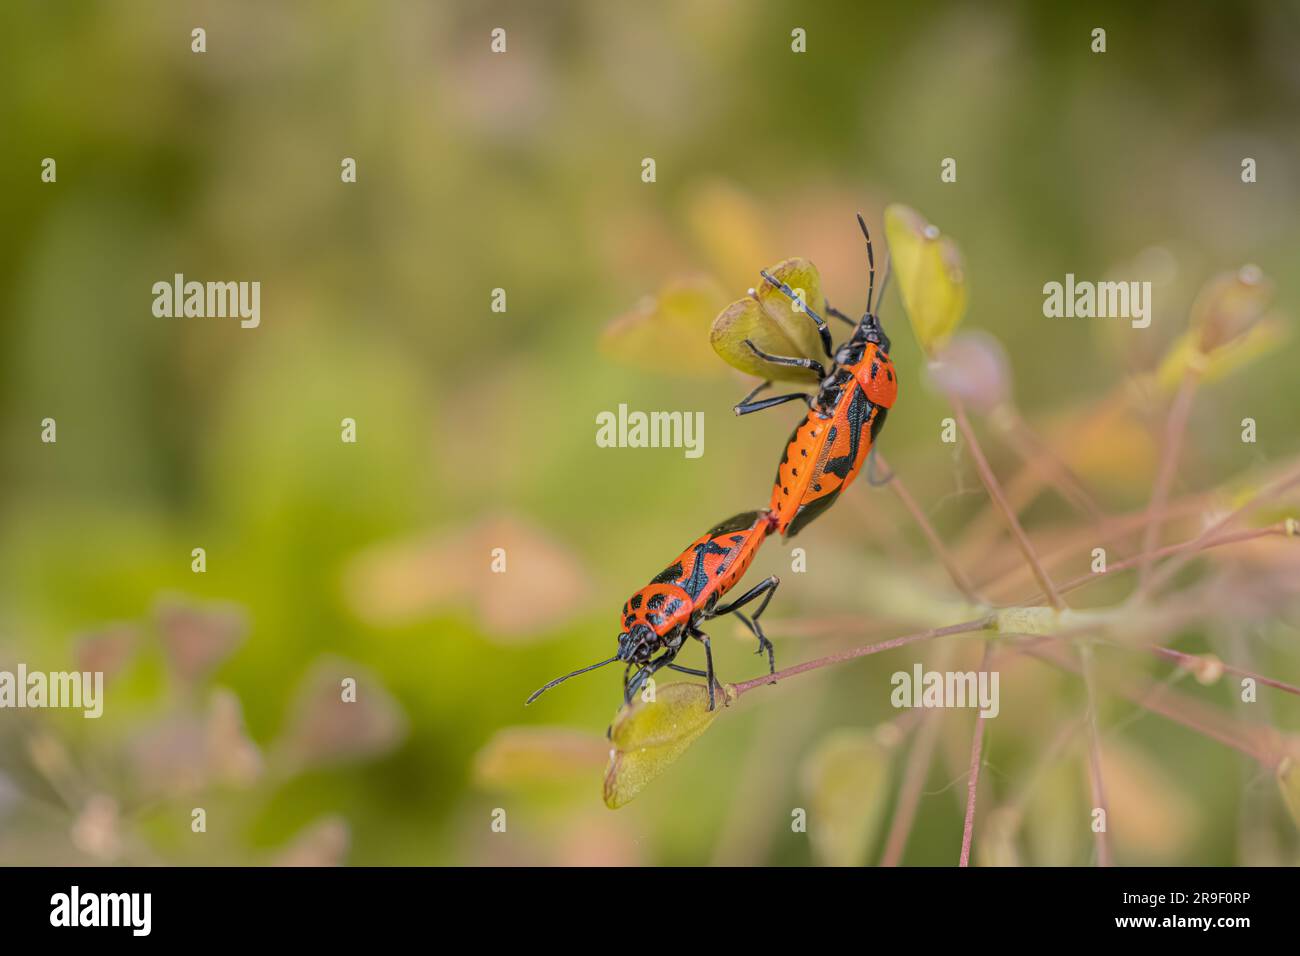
[{"x": 476, "y": 429}]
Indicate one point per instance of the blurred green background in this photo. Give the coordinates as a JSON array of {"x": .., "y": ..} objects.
[{"x": 476, "y": 429}]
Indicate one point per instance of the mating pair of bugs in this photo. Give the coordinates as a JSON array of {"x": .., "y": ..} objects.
[{"x": 822, "y": 457}]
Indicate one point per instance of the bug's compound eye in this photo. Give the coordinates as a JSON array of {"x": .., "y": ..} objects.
[{"x": 635, "y": 645}]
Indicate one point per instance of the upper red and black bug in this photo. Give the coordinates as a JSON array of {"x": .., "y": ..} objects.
[
  {"x": 828, "y": 448},
  {"x": 660, "y": 616}
]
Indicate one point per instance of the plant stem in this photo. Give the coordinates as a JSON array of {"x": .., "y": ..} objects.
[
  {"x": 1262, "y": 744},
  {"x": 936, "y": 543},
  {"x": 981, "y": 532},
  {"x": 841, "y": 657},
  {"x": 1097, "y": 784},
  {"x": 1286, "y": 482},
  {"x": 973, "y": 778},
  {"x": 1175, "y": 429},
  {"x": 1186, "y": 659},
  {"x": 1039, "y": 456},
  {"x": 1075, "y": 537},
  {"x": 995, "y": 492},
  {"x": 1195, "y": 545},
  {"x": 918, "y": 766}
]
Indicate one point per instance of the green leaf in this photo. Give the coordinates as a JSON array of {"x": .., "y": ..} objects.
[
  {"x": 1259, "y": 340},
  {"x": 931, "y": 276},
  {"x": 847, "y": 783},
  {"x": 527, "y": 757},
  {"x": 648, "y": 736},
  {"x": 1229, "y": 305},
  {"x": 775, "y": 324},
  {"x": 665, "y": 332}
]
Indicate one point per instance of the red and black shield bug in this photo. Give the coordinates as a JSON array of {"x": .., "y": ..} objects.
[
  {"x": 660, "y": 617},
  {"x": 846, "y": 412}
]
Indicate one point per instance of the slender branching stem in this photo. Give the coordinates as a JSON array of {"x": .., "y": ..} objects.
[
  {"x": 854, "y": 653},
  {"x": 973, "y": 777},
  {"x": 1195, "y": 546},
  {"x": 909, "y": 796},
  {"x": 1190, "y": 661},
  {"x": 1170, "y": 453},
  {"x": 999, "y": 500},
  {"x": 914, "y": 774},
  {"x": 1036, "y": 454},
  {"x": 936, "y": 543},
  {"x": 1285, "y": 483},
  {"x": 1095, "y": 777},
  {"x": 1262, "y": 744}
]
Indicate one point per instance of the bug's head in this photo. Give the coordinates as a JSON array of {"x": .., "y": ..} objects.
[
  {"x": 637, "y": 643},
  {"x": 872, "y": 331}
]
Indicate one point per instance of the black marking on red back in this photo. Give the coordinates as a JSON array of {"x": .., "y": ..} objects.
[
  {"x": 699, "y": 577},
  {"x": 741, "y": 522},
  {"x": 878, "y": 422},
  {"x": 668, "y": 575},
  {"x": 811, "y": 511},
  {"x": 858, "y": 412}
]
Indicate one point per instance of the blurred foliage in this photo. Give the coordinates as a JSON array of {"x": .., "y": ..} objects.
[
  {"x": 931, "y": 278},
  {"x": 475, "y": 429}
]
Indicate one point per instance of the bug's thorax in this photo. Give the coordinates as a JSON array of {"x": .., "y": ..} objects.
[
  {"x": 875, "y": 374},
  {"x": 659, "y": 608},
  {"x": 831, "y": 390}
]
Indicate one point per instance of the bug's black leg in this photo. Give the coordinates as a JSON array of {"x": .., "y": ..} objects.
[
  {"x": 744, "y": 408},
  {"x": 646, "y": 672},
  {"x": 765, "y": 588},
  {"x": 807, "y": 363},
  {"x": 708, "y": 662},
  {"x": 711, "y": 677},
  {"x": 694, "y": 672},
  {"x": 874, "y": 479},
  {"x": 832, "y": 311},
  {"x": 630, "y": 688},
  {"x": 638, "y": 681},
  {"x": 822, "y": 329},
  {"x": 757, "y": 388},
  {"x": 763, "y": 643}
]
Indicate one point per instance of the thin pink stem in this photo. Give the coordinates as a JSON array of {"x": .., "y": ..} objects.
[
  {"x": 1171, "y": 451},
  {"x": 936, "y": 543},
  {"x": 973, "y": 779},
  {"x": 854, "y": 653},
  {"x": 918, "y": 765},
  {"x": 1188, "y": 659},
  {"x": 1195, "y": 545},
  {"x": 1285, "y": 483},
  {"x": 1038, "y": 455},
  {"x": 999, "y": 499},
  {"x": 1259, "y": 743},
  {"x": 1097, "y": 784}
]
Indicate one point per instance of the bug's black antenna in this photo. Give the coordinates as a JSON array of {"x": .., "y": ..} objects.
[
  {"x": 884, "y": 283},
  {"x": 871, "y": 262},
  {"x": 560, "y": 680}
]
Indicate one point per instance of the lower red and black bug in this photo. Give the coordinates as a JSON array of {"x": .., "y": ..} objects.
[{"x": 658, "y": 619}]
